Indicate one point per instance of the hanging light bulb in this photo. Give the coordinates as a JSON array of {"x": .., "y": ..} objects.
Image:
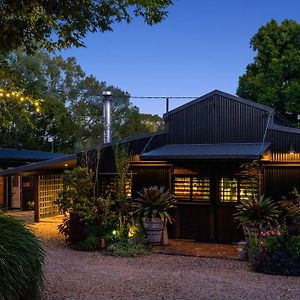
[{"x": 291, "y": 151}]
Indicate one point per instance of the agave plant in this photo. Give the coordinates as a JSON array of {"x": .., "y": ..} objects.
[
  {"x": 257, "y": 211},
  {"x": 154, "y": 202}
]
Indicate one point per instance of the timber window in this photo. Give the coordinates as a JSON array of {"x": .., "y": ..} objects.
[
  {"x": 233, "y": 189},
  {"x": 191, "y": 188}
]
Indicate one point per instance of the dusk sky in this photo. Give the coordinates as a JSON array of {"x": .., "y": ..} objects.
[{"x": 201, "y": 46}]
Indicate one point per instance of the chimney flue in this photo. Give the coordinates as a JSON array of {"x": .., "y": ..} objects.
[{"x": 107, "y": 99}]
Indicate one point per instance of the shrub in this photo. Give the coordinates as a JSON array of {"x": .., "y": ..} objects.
[
  {"x": 290, "y": 206},
  {"x": 293, "y": 246},
  {"x": 129, "y": 247},
  {"x": 21, "y": 261},
  {"x": 274, "y": 239},
  {"x": 278, "y": 262}
]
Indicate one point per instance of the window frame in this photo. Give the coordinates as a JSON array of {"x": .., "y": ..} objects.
[{"x": 191, "y": 199}]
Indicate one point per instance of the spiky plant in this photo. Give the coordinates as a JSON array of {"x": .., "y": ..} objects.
[
  {"x": 257, "y": 211},
  {"x": 154, "y": 202},
  {"x": 21, "y": 261}
]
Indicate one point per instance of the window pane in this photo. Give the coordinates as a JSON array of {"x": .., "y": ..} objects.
[
  {"x": 245, "y": 189},
  {"x": 182, "y": 187},
  {"x": 228, "y": 190},
  {"x": 201, "y": 189}
]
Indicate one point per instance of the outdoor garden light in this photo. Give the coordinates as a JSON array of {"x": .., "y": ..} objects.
[{"x": 114, "y": 232}]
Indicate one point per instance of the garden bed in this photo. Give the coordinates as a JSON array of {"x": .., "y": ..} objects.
[{"x": 72, "y": 274}]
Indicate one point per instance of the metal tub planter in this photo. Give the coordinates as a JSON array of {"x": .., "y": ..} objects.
[
  {"x": 152, "y": 208},
  {"x": 154, "y": 228}
]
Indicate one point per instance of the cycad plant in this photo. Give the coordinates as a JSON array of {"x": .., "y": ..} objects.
[
  {"x": 154, "y": 202},
  {"x": 21, "y": 261},
  {"x": 257, "y": 211}
]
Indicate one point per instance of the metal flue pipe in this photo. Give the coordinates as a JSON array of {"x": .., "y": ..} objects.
[{"x": 107, "y": 101}]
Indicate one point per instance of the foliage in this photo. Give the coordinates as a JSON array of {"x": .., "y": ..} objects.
[
  {"x": 293, "y": 246},
  {"x": 70, "y": 112},
  {"x": 123, "y": 207},
  {"x": 273, "y": 78},
  {"x": 277, "y": 263},
  {"x": 57, "y": 25},
  {"x": 256, "y": 211},
  {"x": 290, "y": 205},
  {"x": 87, "y": 218},
  {"x": 129, "y": 247},
  {"x": 154, "y": 202},
  {"x": 279, "y": 253},
  {"x": 251, "y": 173},
  {"x": 77, "y": 192},
  {"x": 274, "y": 238},
  {"x": 21, "y": 261}
]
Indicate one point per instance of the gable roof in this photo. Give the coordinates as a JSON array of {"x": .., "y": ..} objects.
[{"x": 222, "y": 94}]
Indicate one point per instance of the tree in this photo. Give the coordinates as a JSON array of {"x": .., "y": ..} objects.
[
  {"x": 53, "y": 24},
  {"x": 274, "y": 76},
  {"x": 70, "y": 112}
]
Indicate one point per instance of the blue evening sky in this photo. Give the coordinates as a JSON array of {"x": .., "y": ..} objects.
[{"x": 201, "y": 46}]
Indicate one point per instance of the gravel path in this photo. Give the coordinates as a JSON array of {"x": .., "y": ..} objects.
[{"x": 85, "y": 275}]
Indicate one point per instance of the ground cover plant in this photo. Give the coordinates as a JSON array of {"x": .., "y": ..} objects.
[{"x": 21, "y": 261}]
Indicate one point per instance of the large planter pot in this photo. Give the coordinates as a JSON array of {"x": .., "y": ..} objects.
[{"x": 154, "y": 228}]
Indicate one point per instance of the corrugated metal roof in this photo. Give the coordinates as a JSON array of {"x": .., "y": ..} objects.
[
  {"x": 10, "y": 154},
  {"x": 55, "y": 163},
  {"x": 208, "y": 151}
]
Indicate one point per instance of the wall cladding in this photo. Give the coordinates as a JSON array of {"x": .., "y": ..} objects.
[
  {"x": 279, "y": 181},
  {"x": 282, "y": 142},
  {"x": 49, "y": 187},
  {"x": 217, "y": 119}
]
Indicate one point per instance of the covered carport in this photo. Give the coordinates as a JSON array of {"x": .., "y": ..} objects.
[{"x": 45, "y": 179}]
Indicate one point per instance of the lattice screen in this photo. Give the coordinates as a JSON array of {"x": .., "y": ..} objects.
[{"x": 48, "y": 188}]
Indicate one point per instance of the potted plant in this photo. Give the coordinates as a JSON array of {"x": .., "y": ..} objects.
[
  {"x": 254, "y": 213},
  {"x": 152, "y": 207}
]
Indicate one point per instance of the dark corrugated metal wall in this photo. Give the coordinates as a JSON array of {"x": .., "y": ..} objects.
[
  {"x": 279, "y": 181},
  {"x": 282, "y": 141},
  {"x": 217, "y": 119}
]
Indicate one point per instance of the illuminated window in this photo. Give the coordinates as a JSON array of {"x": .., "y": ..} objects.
[
  {"x": 191, "y": 188},
  {"x": 233, "y": 189},
  {"x": 228, "y": 189}
]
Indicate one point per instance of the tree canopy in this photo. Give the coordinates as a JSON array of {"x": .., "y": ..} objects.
[
  {"x": 52, "y": 24},
  {"x": 274, "y": 76},
  {"x": 65, "y": 106}
]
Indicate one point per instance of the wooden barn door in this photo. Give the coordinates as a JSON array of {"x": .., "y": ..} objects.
[{"x": 229, "y": 191}]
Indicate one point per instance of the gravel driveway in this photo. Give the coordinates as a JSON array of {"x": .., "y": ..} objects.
[{"x": 85, "y": 275}]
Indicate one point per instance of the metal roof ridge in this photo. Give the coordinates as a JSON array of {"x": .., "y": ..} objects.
[{"x": 224, "y": 94}]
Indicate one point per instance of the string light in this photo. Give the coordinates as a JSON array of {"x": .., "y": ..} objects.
[{"x": 18, "y": 95}]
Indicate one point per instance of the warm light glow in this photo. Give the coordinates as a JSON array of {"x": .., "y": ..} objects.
[
  {"x": 22, "y": 99},
  {"x": 114, "y": 232},
  {"x": 37, "y": 109},
  {"x": 1, "y": 94},
  {"x": 8, "y": 95},
  {"x": 66, "y": 165},
  {"x": 291, "y": 151}
]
